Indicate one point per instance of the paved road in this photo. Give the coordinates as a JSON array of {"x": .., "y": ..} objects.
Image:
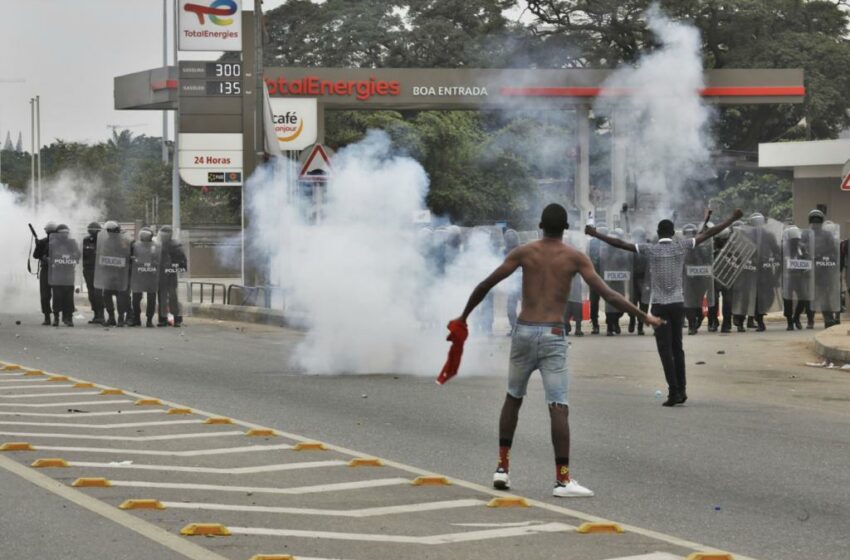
[{"x": 755, "y": 463}]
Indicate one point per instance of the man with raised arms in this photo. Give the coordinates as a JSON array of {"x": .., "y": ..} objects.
[{"x": 538, "y": 341}]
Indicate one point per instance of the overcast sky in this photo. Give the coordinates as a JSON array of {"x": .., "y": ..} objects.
[{"x": 68, "y": 51}]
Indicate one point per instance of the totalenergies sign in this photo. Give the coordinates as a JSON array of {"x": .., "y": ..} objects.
[
  {"x": 362, "y": 90},
  {"x": 210, "y": 25},
  {"x": 295, "y": 121}
]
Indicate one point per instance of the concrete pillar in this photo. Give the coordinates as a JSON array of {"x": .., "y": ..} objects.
[
  {"x": 618, "y": 170},
  {"x": 582, "y": 181},
  {"x": 320, "y": 119}
]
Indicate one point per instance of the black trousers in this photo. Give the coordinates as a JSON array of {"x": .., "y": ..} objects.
[
  {"x": 668, "y": 339},
  {"x": 121, "y": 298},
  {"x": 95, "y": 295},
  {"x": 44, "y": 291},
  {"x": 573, "y": 313},
  {"x": 168, "y": 301},
  {"x": 63, "y": 301},
  {"x": 150, "y": 305},
  {"x": 724, "y": 295},
  {"x": 594, "y": 309},
  {"x": 637, "y": 297}
]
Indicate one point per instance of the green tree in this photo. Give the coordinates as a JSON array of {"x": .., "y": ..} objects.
[{"x": 766, "y": 193}]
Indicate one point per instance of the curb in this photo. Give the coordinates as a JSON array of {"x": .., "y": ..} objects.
[
  {"x": 245, "y": 314},
  {"x": 834, "y": 344}
]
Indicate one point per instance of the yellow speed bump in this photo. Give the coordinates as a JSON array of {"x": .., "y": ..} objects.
[
  {"x": 91, "y": 483},
  {"x": 508, "y": 501},
  {"x": 148, "y": 402},
  {"x": 49, "y": 463},
  {"x": 430, "y": 480},
  {"x": 310, "y": 446},
  {"x": 260, "y": 432},
  {"x": 365, "y": 462},
  {"x": 33, "y": 372},
  {"x": 56, "y": 378},
  {"x": 710, "y": 556},
  {"x": 112, "y": 392},
  {"x": 205, "y": 530},
  {"x": 11, "y": 367},
  {"x": 218, "y": 420},
  {"x": 179, "y": 411},
  {"x": 16, "y": 446},
  {"x": 141, "y": 504},
  {"x": 83, "y": 385},
  {"x": 273, "y": 557},
  {"x": 604, "y": 527}
]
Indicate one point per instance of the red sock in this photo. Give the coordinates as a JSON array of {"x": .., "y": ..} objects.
[
  {"x": 504, "y": 457},
  {"x": 562, "y": 471}
]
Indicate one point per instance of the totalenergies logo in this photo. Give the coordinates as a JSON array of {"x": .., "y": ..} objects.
[{"x": 214, "y": 10}]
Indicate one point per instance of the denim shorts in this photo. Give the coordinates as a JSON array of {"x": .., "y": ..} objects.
[{"x": 539, "y": 346}]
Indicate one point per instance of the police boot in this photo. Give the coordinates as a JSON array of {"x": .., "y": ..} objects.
[
  {"x": 55, "y": 319},
  {"x": 163, "y": 322},
  {"x": 640, "y": 328},
  {"x": 631, "y": 324},
  {"x": 46, "y": 322},
  {"x": 68, "y": 319},
  {"x": 121, "y": 320},
  {"x": 797, "y": 324},
  {"x": 790, "y": 326},
  {"x": 110, "y": 322},
  {"x": 178, "y": 320},
  {"x": 594, "y": 328},
  {"x": 578, "y": 330},
  {"x": 760, "y": 323},
  {"x": 751, "y": 322},
  {"x": 149, "y": 323}
]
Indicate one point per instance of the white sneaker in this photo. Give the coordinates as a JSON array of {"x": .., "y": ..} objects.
[
  {"x": 571, "y": 489},
  {"x": 501, "y": 480}
]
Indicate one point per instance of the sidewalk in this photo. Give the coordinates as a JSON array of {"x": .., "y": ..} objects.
[{"x": 834, "y": 343}]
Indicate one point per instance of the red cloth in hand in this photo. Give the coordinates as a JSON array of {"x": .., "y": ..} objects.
[{"x": 458, "y": 333}]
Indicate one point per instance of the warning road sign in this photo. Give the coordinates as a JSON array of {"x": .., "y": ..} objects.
[
  {"x": 845, "y": 183},
  {"x": 316, "y": 164}
]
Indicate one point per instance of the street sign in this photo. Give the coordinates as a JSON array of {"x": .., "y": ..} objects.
[
  {"x": 315, "y": 164},
  {"x": 210, "y": 25},
  {"x": 210, "y": 159}
]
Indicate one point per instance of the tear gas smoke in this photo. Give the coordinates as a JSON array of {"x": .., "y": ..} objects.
[
  {"x": 66, "y": 198},
  {"x": 664, "y": 122},
  {"x": 366, "y": 290}
]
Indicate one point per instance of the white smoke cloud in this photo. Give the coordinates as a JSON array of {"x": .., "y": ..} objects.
[
  {"x": 664, "y": 121},
  {"x": 68, "y": 199},
  {"x": 367, "y": 293}
]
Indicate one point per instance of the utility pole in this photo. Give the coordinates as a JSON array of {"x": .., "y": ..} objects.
[
  {"x": 32, "y": 154},
  {"x": 165, "y": 64},
  {"x": 175, "y": 171},
  {"x": 38, "y": 142}
]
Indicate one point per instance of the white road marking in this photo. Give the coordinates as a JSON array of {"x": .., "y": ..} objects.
[
  {"x": 364, "y": 512},
  {"x": 215, "y": 470},
  {"x": 42, "y": 395},
  {"x": 171, "y": 541},
  {"x": 447, "y": 538},
  {"x": 30, "y": 387},
  {"x": 103, "y": 426},
  {"x": 296, "y": 490},
  {"x": 42, "y": 380},
  {"x": 651, "y": 556},
  {"x": 124, "y": 438},
  {"x": 517, "y": 524},
  {"x": 195, "y": 453},
  {"x": 81, "y": 414},
  {"x": 74, "y": 403}
]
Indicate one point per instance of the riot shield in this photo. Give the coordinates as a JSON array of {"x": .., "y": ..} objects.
[
  {"x": 617, "y": 272},
  {"x": 729, "y": 262},
  {"x": 744, "y": 287},
  {"x": 63, "y": 254},
  {"x": 797, "y": 265},
  {"x": 577, "y": 289},
  {"x": 112, "y": 267},
  {"x": 144, "y": 267},
  {"x": 768, "y": 257},
  {"x": 698, "y": 276},
  {"x": 826, "y": 291}
]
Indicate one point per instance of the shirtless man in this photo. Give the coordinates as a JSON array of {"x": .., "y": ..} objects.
[{"x": 538, "y": 341}]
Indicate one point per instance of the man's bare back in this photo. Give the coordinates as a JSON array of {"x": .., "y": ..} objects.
[{"x": 548, "y": 267}]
